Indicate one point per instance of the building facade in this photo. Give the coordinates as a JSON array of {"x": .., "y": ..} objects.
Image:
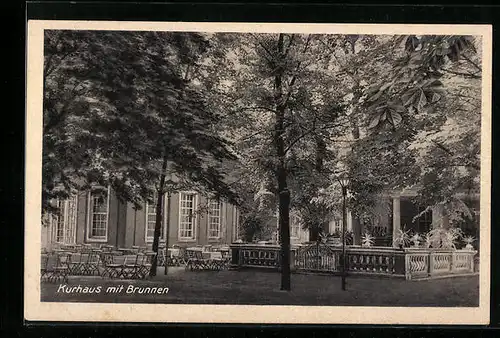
[{"x": 99, "y": 217}]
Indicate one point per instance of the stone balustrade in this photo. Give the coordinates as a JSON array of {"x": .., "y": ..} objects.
[
  {"x": 256, "y": 256},
  {"x": 409, "y": 263}
]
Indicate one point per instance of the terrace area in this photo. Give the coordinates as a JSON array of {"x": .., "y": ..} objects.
[{"x": 251, "y": 287}]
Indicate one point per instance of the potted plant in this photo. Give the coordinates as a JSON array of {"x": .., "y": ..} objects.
[
  {"x": 367, "y": 240},
  {"x": 323, "y": 238},
  {"x": 415, "y": 240},
  {"x": 427, "y": 241},
  {"x": 468, "y": 242},
  {"x": 402, "y": 238},
  {"x": 444, "y": 238}
]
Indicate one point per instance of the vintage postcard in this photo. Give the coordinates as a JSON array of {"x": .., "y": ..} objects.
[{"x": 258, "y": 173}]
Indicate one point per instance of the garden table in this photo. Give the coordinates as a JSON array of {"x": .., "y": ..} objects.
[
  {"x": 194, "y": 248},
  {"x": 170, "y": 257},
  {"x": 127, "y": 251},
  {"x": 173, "y": 252},
  {"x": 60, "y": 251}
]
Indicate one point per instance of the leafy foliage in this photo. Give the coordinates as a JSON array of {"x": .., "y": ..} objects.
[
  {"x": 444, "y": 238},
  {"x": 116, "y": 104},
  {"x": 422, "y": 120}
]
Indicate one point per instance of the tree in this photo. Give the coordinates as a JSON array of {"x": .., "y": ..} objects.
[
  {"x": 284, "y": 91},
  {"x": 156, "y": 120},
  {"x": 69, "y": 106}
]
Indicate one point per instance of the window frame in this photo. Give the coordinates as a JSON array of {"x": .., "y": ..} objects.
[
  {"x": 88, "y": 237},
  {"x": 149, "y": 239},
  {"x": 220, "y": 217},
  {"x": 236, "y": 233},
  {"x": 69, "y": 224},
  {"x": 294, "y": 223},
  {"x": 425, "y": 220},
  {"x": 194, "y": 217}
]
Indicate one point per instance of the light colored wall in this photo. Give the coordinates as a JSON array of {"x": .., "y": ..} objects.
[
  {"x": 45, "y": 237},
  {"x": 81, "y": 216},
  {"x": 135, "y": 224}
]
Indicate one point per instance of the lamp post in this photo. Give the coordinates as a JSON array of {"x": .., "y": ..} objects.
[
  {"x": 344, "y": 182},
  {"x": 170, "y": 187}
]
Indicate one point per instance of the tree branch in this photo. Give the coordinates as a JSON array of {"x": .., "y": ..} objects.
[
  {"x": 265, "y": 49},
  {"x": 294, "y": 77},
  {"x": 472, "y": 62},
  {"x": 473, "y": 76},
  {"x": 287, "y": 50}
]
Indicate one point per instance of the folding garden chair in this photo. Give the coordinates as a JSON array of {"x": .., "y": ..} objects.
[
  {"x": 55, "y": 267},
  {"x": 74, "y": 263},
  {"x": 93, "y": 263},
  {"x": 144, "y": 263},
  {"x": 130, "y": 266},
  {"x": 44, "y": 272},
  {"x": 196, "y": 261},
  {"x": 217, "y": 262},
  {"x": 163, "y": 257},
  {"x": 113, "y": 266},
  {"x": 85, "y": 266}
]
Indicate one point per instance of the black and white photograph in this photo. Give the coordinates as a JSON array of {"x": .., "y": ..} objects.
[{"x": 284, "y": 168}]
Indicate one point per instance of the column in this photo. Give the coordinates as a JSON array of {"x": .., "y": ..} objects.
[
  {"x": 396, "y": 217},
  {"x": 349, "y": 220}
]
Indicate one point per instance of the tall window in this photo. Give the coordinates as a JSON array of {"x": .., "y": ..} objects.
[
  {"x": 187, "y": 216},
  {"x": 151, "y": 219},
  {"x": 335, "y": 226},
  {"x": 99, "y": 210},
  {"x": 294, "y": 226},
  {"x": 424, "y": 221},
  {"x": 64, "y": 222},
  {"x": 237, "y": 224},
  {"x": 214, "y": 219}
]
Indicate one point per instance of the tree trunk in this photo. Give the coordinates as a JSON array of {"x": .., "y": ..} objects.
[
  {"x": 158, "y": 221},
  {"x": 354, "y": 121},
  {"x": 167, "y": 228},
  {"x": 281, "y": 173}
]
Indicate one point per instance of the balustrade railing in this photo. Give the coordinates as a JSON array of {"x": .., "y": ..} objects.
[
  {"x": 257, "y": 256},
  {"x": 318, "y": 258},
  {"x": 416, "y": 265},
  {"x": 407, "y": 263},
  {"x": 376, "y": 261}
]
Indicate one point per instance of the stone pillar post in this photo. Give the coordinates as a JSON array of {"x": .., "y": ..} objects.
[
  {"x": 396, "y": 217},
  {"x": 439, "y": 217},
  {"x": 349, "y": 221}
]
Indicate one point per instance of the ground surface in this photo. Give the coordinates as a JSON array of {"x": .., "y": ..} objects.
[{"x": 262, "y": 288}]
